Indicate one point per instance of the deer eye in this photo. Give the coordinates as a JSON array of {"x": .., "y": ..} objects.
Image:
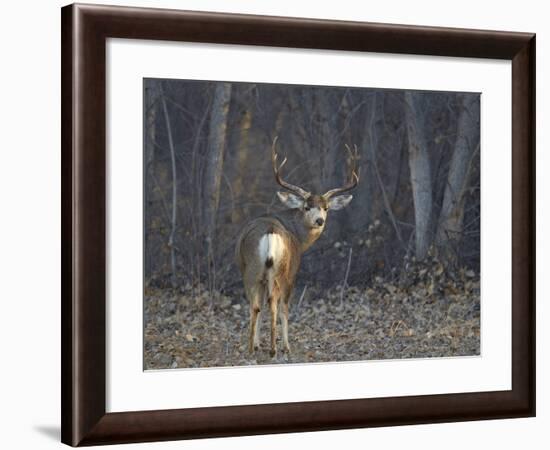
[{"x": 307, "y": 208}]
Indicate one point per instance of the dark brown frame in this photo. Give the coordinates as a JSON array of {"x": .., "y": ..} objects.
[{"x": 85, "y": 29}]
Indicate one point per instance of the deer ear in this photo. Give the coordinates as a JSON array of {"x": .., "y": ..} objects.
[
  {"x": 339, "y": 202},
  {"x": 290, "y": 200}
]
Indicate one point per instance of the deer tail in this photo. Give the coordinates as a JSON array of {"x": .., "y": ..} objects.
[{"x": 271, "y": 251}]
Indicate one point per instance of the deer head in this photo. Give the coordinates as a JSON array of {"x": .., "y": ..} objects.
[{"x": 314, "y": 207}]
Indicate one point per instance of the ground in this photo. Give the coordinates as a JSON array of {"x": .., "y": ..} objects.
[{"x": 432, "y": 318}]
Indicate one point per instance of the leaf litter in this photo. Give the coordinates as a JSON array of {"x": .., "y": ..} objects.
[{"x": 423, "y": 313}]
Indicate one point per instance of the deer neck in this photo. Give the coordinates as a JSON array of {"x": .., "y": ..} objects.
[
  {"x": 305, "y": 236},
  {"x": 310, "y": 237}
]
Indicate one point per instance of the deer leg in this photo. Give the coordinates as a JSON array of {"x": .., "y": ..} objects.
[
  {"x": 257, "y": 329},
  {"x": 254, "y": 338},
  {"x": 284, "y": 321},
  {"x": 273, "y": 301},
  {"x": 255, "y": 311}
]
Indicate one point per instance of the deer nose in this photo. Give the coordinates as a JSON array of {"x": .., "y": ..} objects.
[{"x": 320, "y": 221}]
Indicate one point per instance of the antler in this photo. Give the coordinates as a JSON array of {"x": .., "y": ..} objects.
[
  {"x": 276, "y": 170},
  {"x": 354, "y": 178}
]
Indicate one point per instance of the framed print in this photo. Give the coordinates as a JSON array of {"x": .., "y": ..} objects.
[{"x": 278, "y": 224}]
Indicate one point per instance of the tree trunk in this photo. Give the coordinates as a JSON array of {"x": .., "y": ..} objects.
[
  {"x": 421, "y": 181},
  {"x": 373, "y": 150},
  {"x": 449, "y": 230},
  {"x": 242, "y": 150},
  {"x": 171, "y": 237},
  {"x": 330, "y": 155},
  {"x": 213, "y": 170},
  {"x": 215, "y": 154},
  {"x": 150, "y": 138}
]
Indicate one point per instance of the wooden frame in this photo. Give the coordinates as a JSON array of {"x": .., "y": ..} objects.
[{"x": 85, "y": 29}]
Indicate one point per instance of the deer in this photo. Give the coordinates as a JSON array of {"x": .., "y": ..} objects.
[{"x": 269, "y": 248}]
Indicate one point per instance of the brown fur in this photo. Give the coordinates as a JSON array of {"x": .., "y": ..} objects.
[{"x": 317, "y": 200}]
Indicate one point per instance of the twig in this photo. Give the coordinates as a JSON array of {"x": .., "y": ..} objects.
[
  {"x": 301, "y": 298},
  {"x": 345, "y": 278},
  {"x": 395, "y": 326}
]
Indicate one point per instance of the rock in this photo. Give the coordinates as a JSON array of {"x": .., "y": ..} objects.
[{"x": 165, "y": 360}]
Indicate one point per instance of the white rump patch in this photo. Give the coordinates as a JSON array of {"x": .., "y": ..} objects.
[{"x": 271, "y": 246}]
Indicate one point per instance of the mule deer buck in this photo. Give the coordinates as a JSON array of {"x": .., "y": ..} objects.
[{"x": 269, "y": 248}]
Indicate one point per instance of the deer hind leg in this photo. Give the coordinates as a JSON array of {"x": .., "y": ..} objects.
[
  {"x": 255, "y": 315},
  {"x": 273, "y": 301},
  {"x": 284, "y": 322}
]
